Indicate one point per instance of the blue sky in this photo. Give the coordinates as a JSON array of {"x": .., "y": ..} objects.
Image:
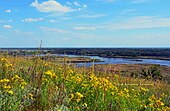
[{"x": 85, "y": 23}]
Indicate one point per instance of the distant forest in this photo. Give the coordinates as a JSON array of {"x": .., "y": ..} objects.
[{"x": 102, "y": 52}]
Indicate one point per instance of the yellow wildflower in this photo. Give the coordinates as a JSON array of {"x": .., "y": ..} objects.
[
  {"x": 49, "y": 73},
  {"x": 152, "y": 98},
  {"x": 4, "y": 80},
  {"x": 158, "y": 102},
  {"x": 145, "y": 106},
  {"x": 79, "y": 95},
  {"x": 45, "y": 64},
  {"x": 10, "y": 92},
  {"x": 70, "y": 71},
  {"x": 84, "y": 85},
  {"x": 23, "y": 83},
  {"x": 52, "y": 75},
  {"x": 7, "y": 87},
  {"x": 78, "y": 100},
  {"x": 84, "y": 105},
  {"x": 112, "y": 93},
  {"x": 144, "y": 89},
  {"x": 126, "y": 90},
  {"x": 72, "y": 96},
  {"x": 30, "y": 95},
  {"x": 4, "y": 60}
]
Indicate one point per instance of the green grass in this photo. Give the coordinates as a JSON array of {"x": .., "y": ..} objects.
[{"x": 35, "y": 84}]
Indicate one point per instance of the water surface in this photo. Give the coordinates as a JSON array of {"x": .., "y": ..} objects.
[{"x": 119, "y": 61}]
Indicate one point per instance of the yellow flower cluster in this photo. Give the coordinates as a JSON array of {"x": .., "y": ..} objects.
[
  {"x": 6, "y": 65},
  {"x": 78, "y": 78},
  {"x": 70, "y": 71},
  {"x": 19, "y": 81},
  {"x": 4, "y": 80},
  {"x": 155, "y": 103},
  {"x": 77, "y": 97},
  {"x": 10, "y": 92},
  {"x": 4, "y": 60},
  {"x": 102, "y": 83},
  {"x": 51, "y": 74},
  {"x": 5, "y": 84}
]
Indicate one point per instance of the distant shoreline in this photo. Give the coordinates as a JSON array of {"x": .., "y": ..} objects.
[
  {"x": 144, "y": 57},
  {"x": 125, "y": 53}
]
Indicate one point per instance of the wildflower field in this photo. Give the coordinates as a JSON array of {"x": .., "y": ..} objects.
[{"x": 32, "y": 84}]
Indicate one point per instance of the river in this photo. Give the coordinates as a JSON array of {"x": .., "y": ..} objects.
[{"x": 119, "y": 61}]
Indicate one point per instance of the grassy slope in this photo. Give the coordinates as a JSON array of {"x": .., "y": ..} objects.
[{"x": 35, "y": 84}]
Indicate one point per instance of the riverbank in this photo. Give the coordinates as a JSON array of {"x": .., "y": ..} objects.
[
  {"x": 138, "y": 57},
  {"x": 68, "y": 59},
  {"x": 128, "y": 53}
]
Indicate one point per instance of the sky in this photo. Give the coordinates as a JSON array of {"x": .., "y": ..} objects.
[{"x": 85, "y": 23}]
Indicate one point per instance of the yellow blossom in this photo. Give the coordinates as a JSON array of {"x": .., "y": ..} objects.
[
  {"x": 4, "y": 60},
  {"x": 4, "y": 80},
  {"x": 23, "y": 83},
  {"x": 7, "y": 87},
  {"x": 158, "y": 102},
  {"x": 84, "y": 105},
  {"x": 126, "y": 90},
  {"x": 144, "y": 89},
  {"x": 72, "y": 96},
  {"x": 30, "y": 95},
  {"x": 70, "y": 71},
  {"x": 52, "y": 75},
  {"x": 78, "y": 100},
  {"x": 10, "y": 92},
  {"x": 59, "y": 68},
  {"x": 49, "y": 73},
  {"x": 79, "y": 95}
]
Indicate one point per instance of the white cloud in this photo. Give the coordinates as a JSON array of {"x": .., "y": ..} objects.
[
  {"x": 85, "y": 6},
  {"x": 51, "y": 6},
  {"x": 8, "y": 11},
  {"x": 141, "y": 22},
  {"x": 84, "y": 28},
  {"x": 93, "y": 16},
  {"x": 127, "y": 11},
  {"x": 53, "y": 30},
  {"x": 77, "y": 4},
  {"x": 52, "y": 21},
  {"x": 7, "y": 26},
  {"x": 32, "y": 19},
  {"x": 68, "y": 3},
  {"x": 4, "y": 21}
]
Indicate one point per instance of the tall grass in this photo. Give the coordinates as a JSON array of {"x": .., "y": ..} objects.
[{"x": 29, "y": 83}]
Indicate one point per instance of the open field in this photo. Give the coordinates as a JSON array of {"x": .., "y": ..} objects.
[
  {"x": 36, "y": 84},
  {"x": 134, "y": 70}
]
